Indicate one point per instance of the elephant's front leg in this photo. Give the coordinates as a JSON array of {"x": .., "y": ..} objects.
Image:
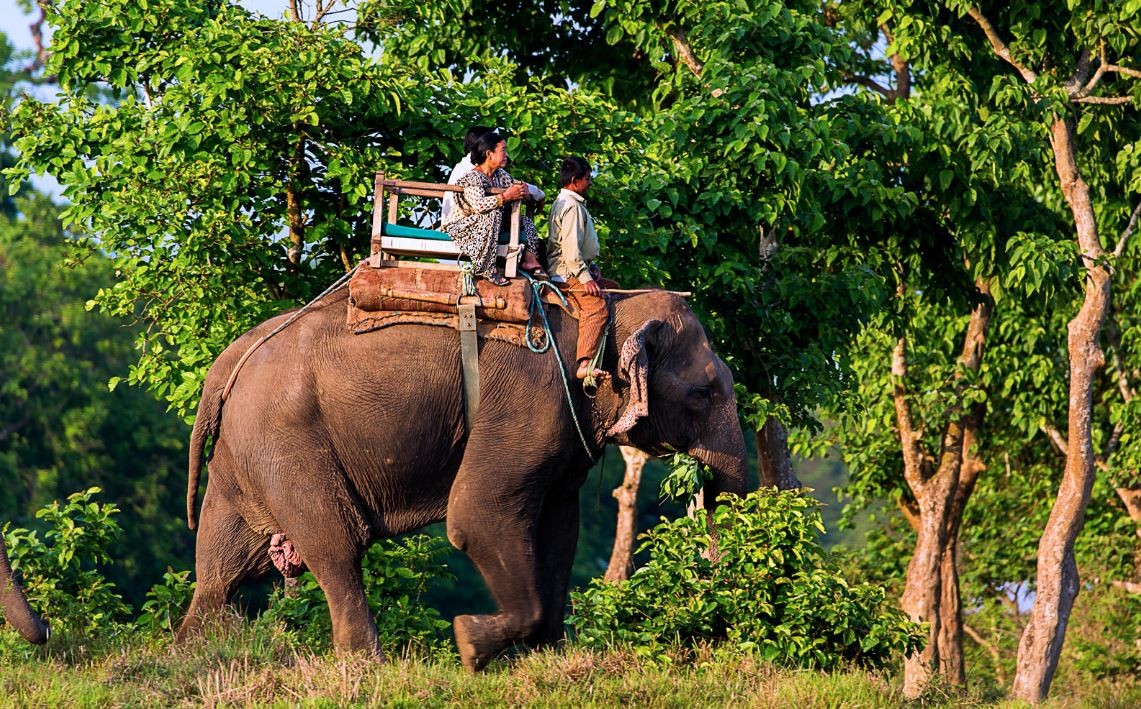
[
  {"x": 557, "y": 541},
  {"x": 492, "y": 517}
]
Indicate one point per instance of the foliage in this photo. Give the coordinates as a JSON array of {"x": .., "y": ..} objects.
[
  {"x": 166, "y": 603},
  {"x": 559, "y": 42},
  {"x": 687, "y": 475},
  {"x": 61, "y": 429},
  {"x": 225, "y": 135},
  {"x": 61, "y": 570},
  {"x": 397, "y": 574},
  {"x": 772, "y": 592}
]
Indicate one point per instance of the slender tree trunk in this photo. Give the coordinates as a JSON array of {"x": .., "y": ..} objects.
[
  {"x": 1057, "y": 579},
  {"x": 924, "y": 590},
  {"x": 951, "y": 665},
  {"x": 774, "y": 461},
  {"x": 931, "y": 590},
  {"x": 1131, "y": 498},
  {"x": 293, "y": 205},
  {"x": 622, "y": 557}
]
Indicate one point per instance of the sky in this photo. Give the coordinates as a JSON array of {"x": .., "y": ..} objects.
[{"x": 15, "y": 24}]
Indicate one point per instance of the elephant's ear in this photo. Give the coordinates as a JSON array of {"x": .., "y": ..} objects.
[{"x": 634, "y": 367}]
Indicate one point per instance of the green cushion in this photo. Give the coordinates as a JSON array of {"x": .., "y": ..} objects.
[{"x": 414, "y": 232}]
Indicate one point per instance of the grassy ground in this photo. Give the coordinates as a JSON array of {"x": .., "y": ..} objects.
[{"x": 245, "y": 667}]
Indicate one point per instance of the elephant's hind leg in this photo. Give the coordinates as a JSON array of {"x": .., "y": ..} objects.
[
  {"x": 320, "y": 518},
  {"x": 227, "y": 553}
]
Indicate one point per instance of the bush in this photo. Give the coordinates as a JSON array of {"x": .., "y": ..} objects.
[
  {"x": 166, "y": 603},
  {"x": 773, "y": 592},
  {"x": 60, "y": 571},
  {"x": 394, "y": 591}
]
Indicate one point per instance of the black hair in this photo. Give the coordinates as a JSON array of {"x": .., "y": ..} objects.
[
  {"x": 572, "y": 169},
  {"x": 472, "y": 136},
  {"x": 484, "y": 144}
]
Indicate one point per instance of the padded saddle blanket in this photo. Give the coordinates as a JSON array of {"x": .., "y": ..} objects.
[{"x": 381, "y": 297}]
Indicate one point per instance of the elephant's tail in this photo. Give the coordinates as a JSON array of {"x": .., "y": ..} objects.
[{"x": 205, "y": 426}]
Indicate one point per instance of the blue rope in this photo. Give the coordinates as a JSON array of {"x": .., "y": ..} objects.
[{"x": 537, "y": 306}]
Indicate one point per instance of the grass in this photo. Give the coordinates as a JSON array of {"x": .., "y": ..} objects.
[{"x": 247, "y": 666}]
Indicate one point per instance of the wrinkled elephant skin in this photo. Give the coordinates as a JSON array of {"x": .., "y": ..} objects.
[
  {"x": 337, "y": 440},
  {"x": 15, "y": 605}
]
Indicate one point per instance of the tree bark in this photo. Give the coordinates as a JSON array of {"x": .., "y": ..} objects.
[
  {"x": 1057, "y": 579},
  {"x": 622, "y": 557},
  {"x": 774, "y": 461},
  {"x": 1131, "y": 498},
  {"x": 293, "y": 205},
  {"x": 931, "y": 590},
  {"x": 951, "y": 665}
]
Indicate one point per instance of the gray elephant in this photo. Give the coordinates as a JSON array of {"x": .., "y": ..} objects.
[
  {"x": 15, "y": 604},
  {"x": 337, "y": 440}
]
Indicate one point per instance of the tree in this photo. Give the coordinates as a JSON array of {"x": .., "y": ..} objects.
[
  {"x": 959, "y": 45},
  {"x": 61, "y": 428},
  {"x": 225, "y": 135}
]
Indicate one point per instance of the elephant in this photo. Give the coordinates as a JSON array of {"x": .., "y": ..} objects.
[
  {"x": 337, "y": 439},
  {"x": 15, "y": 604}
]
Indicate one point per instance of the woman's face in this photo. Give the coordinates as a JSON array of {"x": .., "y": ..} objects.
[{"x": 498, "y": 157}]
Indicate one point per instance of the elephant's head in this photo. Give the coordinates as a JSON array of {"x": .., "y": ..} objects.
[
  {"x": 672, "y": 391},
  {"x": 15, "y": 605}
]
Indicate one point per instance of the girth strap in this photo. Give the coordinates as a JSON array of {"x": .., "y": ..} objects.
[{"x": 469, "y": 358}]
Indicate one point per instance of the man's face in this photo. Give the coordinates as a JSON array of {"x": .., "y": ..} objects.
[{"x": 582, "y": 184}]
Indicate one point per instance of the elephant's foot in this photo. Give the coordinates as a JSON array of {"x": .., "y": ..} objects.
[
  {"x": 476, "y": 640},
  {"x": 547, "y": 637}
]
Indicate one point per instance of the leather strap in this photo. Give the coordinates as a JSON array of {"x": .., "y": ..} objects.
[{"x": 469, "y": 358}]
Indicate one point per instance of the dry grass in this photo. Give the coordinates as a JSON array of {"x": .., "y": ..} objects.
[{"x": 248, "y": 668}]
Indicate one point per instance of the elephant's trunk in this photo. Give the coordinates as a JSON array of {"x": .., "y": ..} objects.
[
  {"x": 723, "y": 450},
  {"x": 15, "y": 604}
]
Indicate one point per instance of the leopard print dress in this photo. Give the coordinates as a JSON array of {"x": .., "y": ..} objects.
[{"x": 475, "y": 222}]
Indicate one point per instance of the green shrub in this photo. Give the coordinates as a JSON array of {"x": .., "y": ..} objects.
[
  {"x": 166, "y": 603},
  {"x": 394, "y": 590},
  {"x": 60, "y": 571},
  {"x": 773, "y": 593}
]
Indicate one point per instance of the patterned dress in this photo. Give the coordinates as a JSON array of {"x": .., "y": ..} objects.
[{"x": 475, "y": 222}]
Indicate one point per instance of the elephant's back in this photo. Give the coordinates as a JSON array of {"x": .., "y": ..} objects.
[{"x": 383, "y": 409}]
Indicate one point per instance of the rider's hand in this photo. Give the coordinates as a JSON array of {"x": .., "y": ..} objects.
[
  {"x": 592, "y": 288},
  {"x": 515, "y": 192}
]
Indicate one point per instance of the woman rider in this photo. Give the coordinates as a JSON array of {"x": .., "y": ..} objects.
[{"x": 476, "y": 221}]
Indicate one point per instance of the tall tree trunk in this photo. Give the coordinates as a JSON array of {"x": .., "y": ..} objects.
[
  {"x": 1057, "y": 580},
  {"x": 950, "y": 640},
  {"x": 774, "y": 461},
  {"x": 622, "y": 557},
  {"x": 293, "y": 205},
  {"x": 931, "y": 590},
  {"x": 951, "y": 664},
  {"x": 1131, "y": 498},
  {"x": 924, "y": 587}
]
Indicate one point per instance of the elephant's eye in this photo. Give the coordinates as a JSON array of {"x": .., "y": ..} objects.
[{"x": 700, "y": 394}]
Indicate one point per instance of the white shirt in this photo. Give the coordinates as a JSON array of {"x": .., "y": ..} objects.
[
  {"x": 572, "y": 243},
  {"x": 462, "y": 168}
]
